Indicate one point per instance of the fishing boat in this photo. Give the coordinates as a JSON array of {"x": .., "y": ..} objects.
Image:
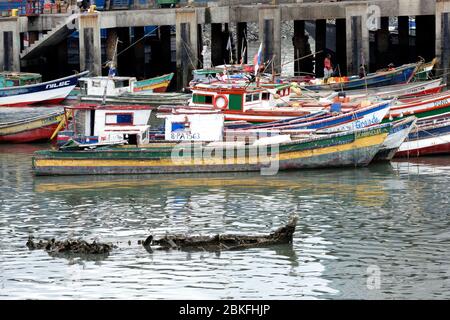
[
  {"x": 421, "y": 107},
  {"x": 399, "y": 75},
  {"x": 118, "y": 86},
  {"x": 48, "y": 92},
  {"x": 29, "y": 125},
  {"x": 424, "y": 70},
  {"x": 268, "y": 155},
  {"x": 14, "y": 79},
  {"x": 399, "y": 91},
  {"x": 103, "y": 124},
  {"x": 397, "y": 135},
  {"x": 334, "y": 120},
  {"x": 430, "y": 137}
]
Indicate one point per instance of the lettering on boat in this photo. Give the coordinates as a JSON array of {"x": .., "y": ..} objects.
[
  {"x": 184, "y": 135},
  {"x": 439, "y": 103},
  {"x": 359, "y": 124},
  {"x": 57, "y": 85},
  {"x": 369, "y": 133}
]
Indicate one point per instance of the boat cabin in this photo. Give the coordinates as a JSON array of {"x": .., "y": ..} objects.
[
  {"x": 88, "y": 123},
  {"x": 15, "y": 79},
  {"x": 115, "y": 86},
  {"x": 240, "y": 97}
]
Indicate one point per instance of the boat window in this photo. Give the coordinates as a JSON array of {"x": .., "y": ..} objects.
[
  {"x": 96, "y": 84},
  {"x": 121, "y": 83},
  {"x": 256, "y": 97},
  {"x": 119, "y": 119},
  {"x": 248, "y": 98},
  {"x": 203, "y": 99},
  {"x": 265, "y": 96}
]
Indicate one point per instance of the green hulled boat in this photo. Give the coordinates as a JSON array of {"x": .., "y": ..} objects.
[
  {"x": 268, "y": 155},
  {"x": 14, "y": 79}
]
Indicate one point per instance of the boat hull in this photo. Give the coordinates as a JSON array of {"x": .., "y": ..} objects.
[
  {"x": 398, "y": 76},
  {"x": 338, "y": 150},
  {"x": 434, "y": 141},
  {"x": 33, "y": 135},
  {"x": 48, "y": 92},
  {"x": 30, "y": 130},
  {"x": 397, "y": 135},
  {"x": 157, "y": 84}
]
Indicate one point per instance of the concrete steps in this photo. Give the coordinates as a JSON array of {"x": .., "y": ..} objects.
[{"x": 51, "y": 38}]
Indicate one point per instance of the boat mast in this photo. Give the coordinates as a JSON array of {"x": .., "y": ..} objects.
[{"x": 111, "y": 66}]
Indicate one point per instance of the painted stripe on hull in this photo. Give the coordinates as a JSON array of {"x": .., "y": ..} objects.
[
  {"x": 49, "y": 96},
  {"x": 428, "y": 146},
  {"x": 358, "y": 152},
  {"x": 38, "y": 134}
]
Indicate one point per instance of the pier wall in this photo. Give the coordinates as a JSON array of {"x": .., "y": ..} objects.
[{"x": 356, "y": 44}]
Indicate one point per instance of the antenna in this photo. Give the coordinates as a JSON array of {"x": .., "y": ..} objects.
[{"x": 110, "y": 75}]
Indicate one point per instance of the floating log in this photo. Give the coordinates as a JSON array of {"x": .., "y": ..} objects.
[
  {"x": 219, "y": 242},
  {"x": 70, "y": 246}
]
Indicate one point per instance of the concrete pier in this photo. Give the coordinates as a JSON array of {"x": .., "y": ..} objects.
[
  {"x": 352, "y": 18},
  {"x": 90, "y": 44}
]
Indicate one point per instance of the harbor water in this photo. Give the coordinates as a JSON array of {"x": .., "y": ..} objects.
[{"x": 381, "y": 232}]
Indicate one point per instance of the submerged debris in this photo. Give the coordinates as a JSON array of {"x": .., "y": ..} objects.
[
  {"x": 220, "y": 242},
  {"x": 70, "y": 246}
]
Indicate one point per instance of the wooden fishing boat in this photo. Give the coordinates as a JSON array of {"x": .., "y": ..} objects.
[
  {"x": 53, "y": 91},
  {"x": 402, "y": 74},
  {"x": 421, "y": 107},
  {"x": 396, "y": 137},
  {"x": 156, "y": 84},
  {"x": 15, "y": 79},
  {"x": 431, "y": 137},
  {"x": 352, "y": 148},
  {"x": 424, "y": 70},
  {"x": 399, "y": 91},
  {"x": 119, "y": 86},
  {"x": 356, "y": 118},
  {"x": 36, "y": 126}
]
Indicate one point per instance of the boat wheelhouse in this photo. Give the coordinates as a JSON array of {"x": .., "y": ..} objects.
[
  {"x": 93, "y": 124},
  {"x": 118, "y": 86}
]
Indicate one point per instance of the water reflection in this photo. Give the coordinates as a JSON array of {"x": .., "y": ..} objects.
[{"x": 394, "y": 216}]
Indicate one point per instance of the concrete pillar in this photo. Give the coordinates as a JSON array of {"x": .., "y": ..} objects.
[
  {"x": 111, "y": 40},
  {"x": 269, "y": 23},
  {"x": 341, "y": 52},
  {"x": 365, "y": 42},
  {"x": 357, "y": 43},
  {"x": 90, "y": 44},
  {"x": 425, "y": 36},
  {"x": 217, "y": 45},
  {"x": 403, "y": 39},
  {"x": 302, "y": 65},
  {"x": 125, "y": 58},
  {"x": 166, "y": 54},
  {"x": 2, "y": 52},
  {"x": 11, "y": 52},
  {"x": 382, "y": 44},
  {"x": 321, "y": 36},
  {"x": 241, "y": 41},
  {"x": 187, "y": 47},
  {"x": 199, "y": 46},
  {"x": 139, "y": 52}
]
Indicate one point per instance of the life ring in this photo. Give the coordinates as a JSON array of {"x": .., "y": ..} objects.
[{"x": 220, "y": 101}]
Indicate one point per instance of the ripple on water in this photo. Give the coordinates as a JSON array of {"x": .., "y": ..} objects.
[{"x": 391, "y": 217}]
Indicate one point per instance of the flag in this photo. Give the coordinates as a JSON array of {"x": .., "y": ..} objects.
[{"x": 257, "y": 59}]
